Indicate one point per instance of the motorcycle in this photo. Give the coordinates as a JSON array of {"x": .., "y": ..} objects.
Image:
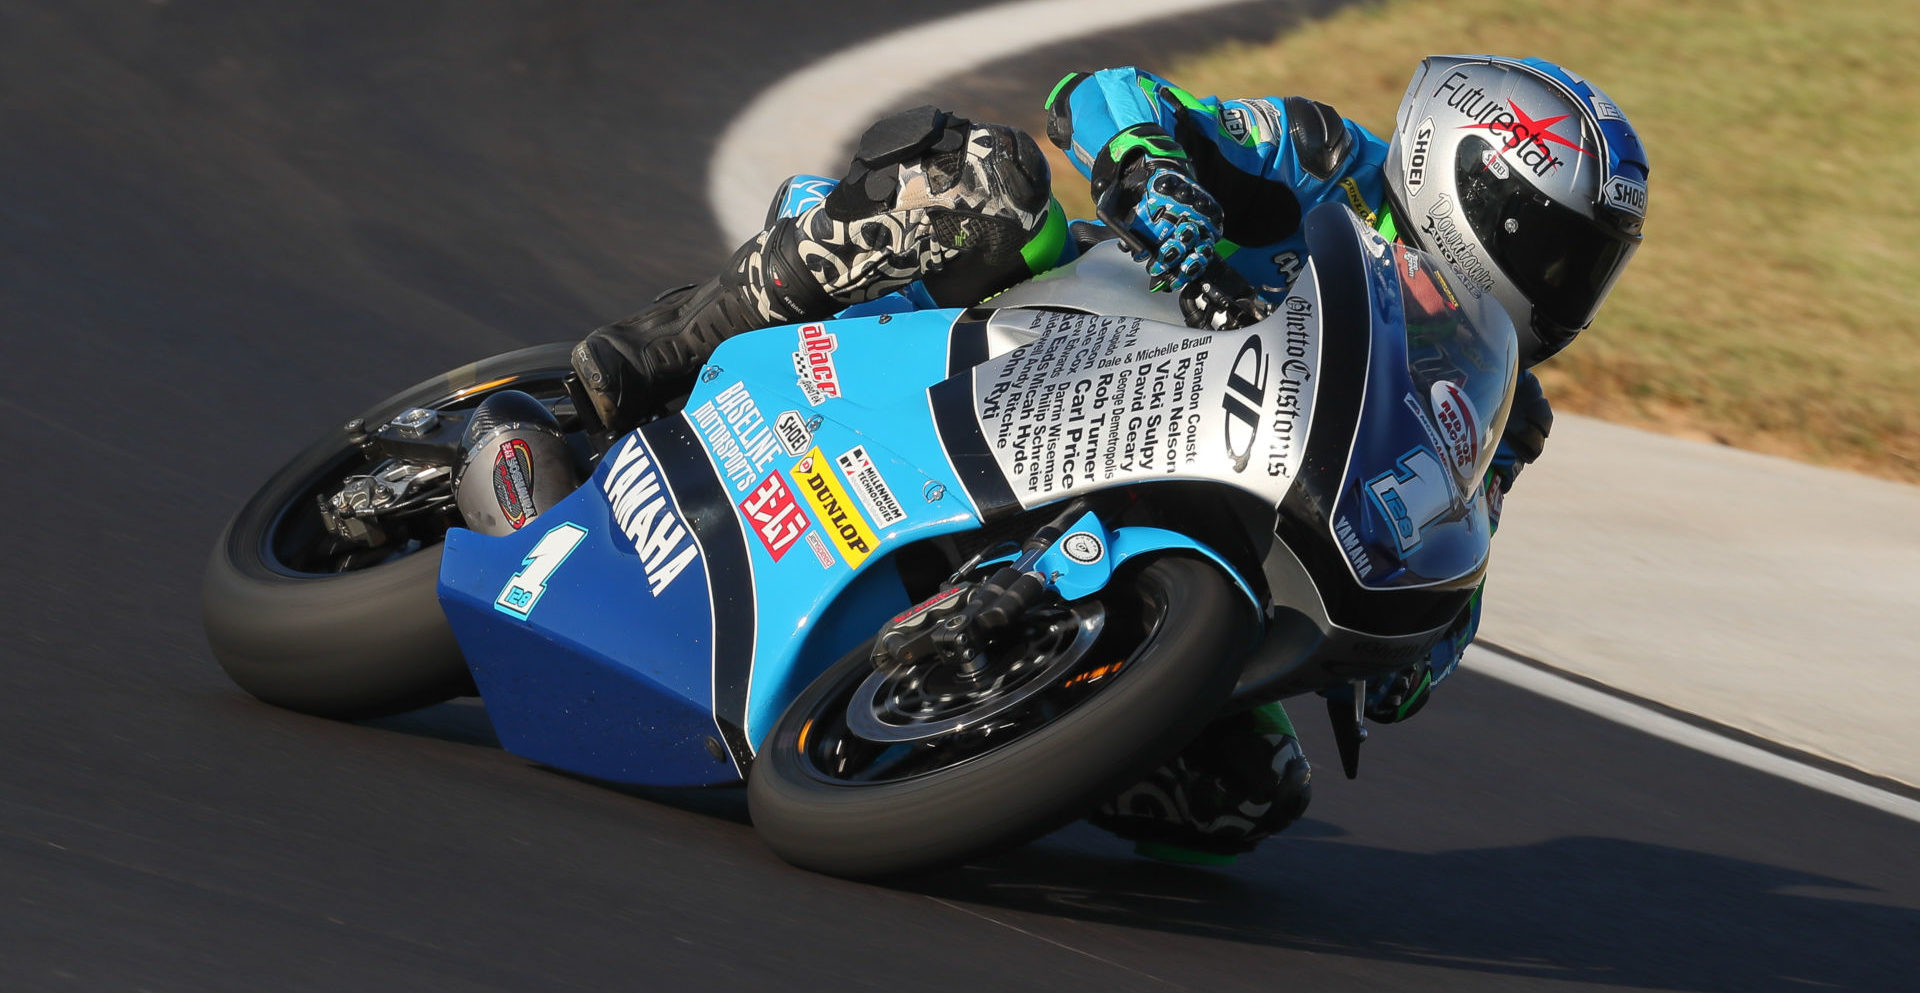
[{"x": 932, "y": 583}]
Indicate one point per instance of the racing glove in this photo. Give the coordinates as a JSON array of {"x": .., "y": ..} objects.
[{"x": 1144, "y": 189}]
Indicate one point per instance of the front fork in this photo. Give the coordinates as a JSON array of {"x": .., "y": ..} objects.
[{"x": 1074, "y": 556}]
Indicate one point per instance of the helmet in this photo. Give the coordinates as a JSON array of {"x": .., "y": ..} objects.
[{"x": 1526, "y": 179}]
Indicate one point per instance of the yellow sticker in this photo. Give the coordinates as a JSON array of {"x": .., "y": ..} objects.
[
  {"x": 833, "y": 508},
  {"x": 1356, "y": 201}
]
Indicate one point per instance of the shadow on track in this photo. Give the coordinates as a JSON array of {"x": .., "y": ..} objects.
[{"x": 1583, "y": 909}]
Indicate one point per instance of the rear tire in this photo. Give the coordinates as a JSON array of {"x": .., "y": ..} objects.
[
  {"x": 1181, "y": 661},
  {"x": 351, "y": 644}
]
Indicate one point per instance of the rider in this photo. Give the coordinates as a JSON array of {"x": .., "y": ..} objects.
[{"x": 1525, "y": 178}]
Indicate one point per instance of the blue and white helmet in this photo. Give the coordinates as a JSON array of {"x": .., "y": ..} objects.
[{"x": 1527, "y": 179}]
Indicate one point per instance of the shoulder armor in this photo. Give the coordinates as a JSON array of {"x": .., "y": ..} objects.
[
  {"x": 1320, "y": 139},
  {"x": 1060, "y": 110}
]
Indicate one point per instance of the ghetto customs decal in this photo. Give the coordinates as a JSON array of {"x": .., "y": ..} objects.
[{"x": 1102, "y": 401}]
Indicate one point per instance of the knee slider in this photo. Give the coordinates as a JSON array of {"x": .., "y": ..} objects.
[{"x": 872, "y": 178}]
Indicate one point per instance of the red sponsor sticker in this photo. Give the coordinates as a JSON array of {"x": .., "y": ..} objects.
[
  {"x": 1459, "y": 425},
  {"x": 819, "y": 378},
  {"x": 513, "y": 481},
  {"x": 776, "y": 517}
]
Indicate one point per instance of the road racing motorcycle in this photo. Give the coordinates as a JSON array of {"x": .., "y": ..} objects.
[{"x": 931, "y": 583}]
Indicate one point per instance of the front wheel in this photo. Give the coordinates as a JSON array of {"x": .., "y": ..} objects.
[{"x": 871, "y": 775}]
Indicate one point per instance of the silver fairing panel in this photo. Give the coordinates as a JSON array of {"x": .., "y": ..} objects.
[{"x": 1077, "y": 398}]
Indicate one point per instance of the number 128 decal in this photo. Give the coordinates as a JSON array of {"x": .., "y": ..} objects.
[
  {"x": 1415, "y": 494},
  {"x": 523, "y": 591}
]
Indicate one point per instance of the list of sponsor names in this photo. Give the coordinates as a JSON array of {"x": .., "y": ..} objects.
[{"x": 1095, "y": 401}]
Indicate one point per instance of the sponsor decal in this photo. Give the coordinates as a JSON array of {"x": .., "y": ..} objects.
[
  {"x": 870, "y": 487},
  {"x": 1237, "y": 123},
  {"x": 1605, "y": 109},
  {"x": 938, "y": 599},
  {"x": 1444, "y": 236},
  {"x": 1097, "y": 401},
  {"x": 1295, "y": 372},
  {"x": 1459, "y": 424},
  {"x": 742, "y": 444},
  {"x": 1530, "y": 141},
  {"x": 646, "y": 516},
  {"x": 818, "y": 546},
  {"x": 524, "y": 589},
  {"x": 819, "y": 378},
  {"x": 1350, "y": 544},
  {"x": 1493, "y": 163},
  {"x": 1357, "y": 202},
  {"x": 791, "y": 428},
  {"x": 1627, "y": 195},
  {"x": 1418, "y": 151},
  {"x": 774, "y": 516},
  {"x": 513, "y": 481},
  {"x": 1245, "y": 398},
  {"x": 838, "y": 516},
  {"x": 1083, "y": 547},
  {"x": 1417, "y": 492}
]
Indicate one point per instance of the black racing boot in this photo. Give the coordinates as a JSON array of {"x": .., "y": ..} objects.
[
  {"x": 929, "y": 196},
  {"x": 632, "y": 368}
]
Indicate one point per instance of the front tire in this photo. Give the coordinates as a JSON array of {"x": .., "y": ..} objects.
[
  {"x": 339, "y": 637},
  {"x": 1175, "y": 627}
]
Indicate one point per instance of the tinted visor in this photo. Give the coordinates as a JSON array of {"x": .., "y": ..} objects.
[{"x": 1562, "y": 262}]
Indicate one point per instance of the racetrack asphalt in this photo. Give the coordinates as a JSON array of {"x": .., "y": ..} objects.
[{"x": 224, "y": 225}]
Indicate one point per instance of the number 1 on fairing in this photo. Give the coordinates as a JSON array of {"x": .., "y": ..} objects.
[{"x": 526, "y": 586}]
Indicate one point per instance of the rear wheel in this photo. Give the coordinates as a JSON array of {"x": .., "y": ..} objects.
[
  {"x": 303, "y": 620},
  {"x": 873, "y": 773}
]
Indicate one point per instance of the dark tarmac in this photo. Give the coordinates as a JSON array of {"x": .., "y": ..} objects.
[{"x": 225, "y": 225}]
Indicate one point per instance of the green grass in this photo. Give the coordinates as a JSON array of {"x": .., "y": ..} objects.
[{"x": 1776, "y": 302}]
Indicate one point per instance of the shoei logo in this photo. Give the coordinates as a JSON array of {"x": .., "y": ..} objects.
[
  {"x": 513, "y": 482},
  {"x": 1417, "y": 152},
  {"x": 834, "y": 508},
  {"x": 819, "y": 378},
  {"x": 793, "y": 432},
  {"x": 1530, "y": 140},
  {"x": 1627, "y": 195}
]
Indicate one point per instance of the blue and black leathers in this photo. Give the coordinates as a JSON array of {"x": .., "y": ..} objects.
[{"x": 1266, "y": 161}]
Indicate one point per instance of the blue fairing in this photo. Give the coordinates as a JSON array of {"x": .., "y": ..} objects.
[
  {"x": 627, "y": 668},
  {"x": 1413, "y": 511}
]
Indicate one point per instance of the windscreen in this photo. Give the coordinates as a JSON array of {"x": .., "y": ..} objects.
[{"x": 1460, "y": 369}]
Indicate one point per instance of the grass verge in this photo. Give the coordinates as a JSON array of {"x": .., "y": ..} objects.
[{"x": 1776, "y": 302}]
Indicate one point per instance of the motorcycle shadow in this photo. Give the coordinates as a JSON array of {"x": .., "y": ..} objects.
[
  {"x": 1581, "y": 909},
  {"x": 464, "y": 722}
]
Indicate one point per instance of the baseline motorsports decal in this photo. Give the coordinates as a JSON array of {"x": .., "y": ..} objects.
[{"x": 1101, "y": 401}]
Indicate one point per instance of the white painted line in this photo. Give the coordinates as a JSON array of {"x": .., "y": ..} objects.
[
  {"x": 1659, "y": 725},
  {"x": 802, "y": 122}
]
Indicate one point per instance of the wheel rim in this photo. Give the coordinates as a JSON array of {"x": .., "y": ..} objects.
[
  {"x": 296, "y": 545},
  {"x": 911, "y": 703},
  {"x": 838, "y": 745}
]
